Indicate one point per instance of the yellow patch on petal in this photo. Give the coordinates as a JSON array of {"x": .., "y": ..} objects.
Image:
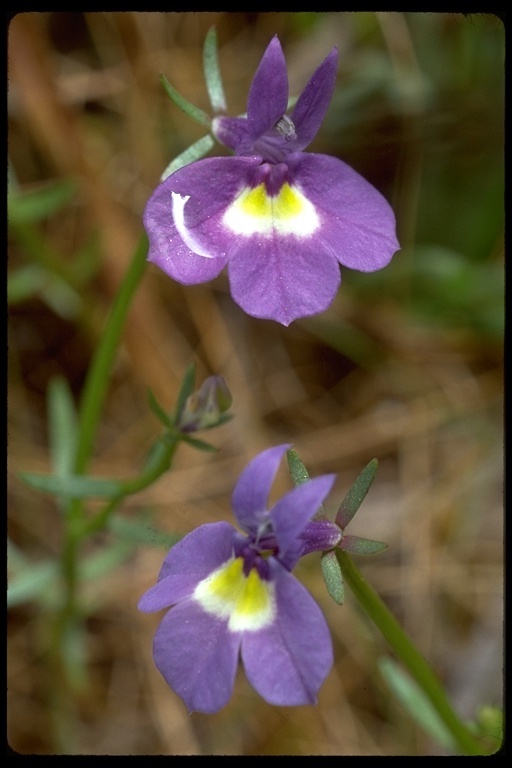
[
  {"x": 256, "y": 212},
  {"x": 247, "y": 602}
]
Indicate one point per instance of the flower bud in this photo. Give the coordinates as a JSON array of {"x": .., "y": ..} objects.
[{"x": 204, "y": 408}]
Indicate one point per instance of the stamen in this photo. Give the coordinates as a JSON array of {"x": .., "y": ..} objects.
[{"x": 286, "y": 128}]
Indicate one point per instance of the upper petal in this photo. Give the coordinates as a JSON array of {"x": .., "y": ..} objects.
[
  {"x": 197, "y": 656},
  {"x": 288, "y": 661},
  {"x": 250, "y": 496},
  {"x": 187, "y": 563},
  {"x": 291, "y": 514},
  {"x": 358, "y": 225},
  {"x": 233, "y": 132},
  {"x": 268, "y": 94},
  {"x": 311, "y": 106}
]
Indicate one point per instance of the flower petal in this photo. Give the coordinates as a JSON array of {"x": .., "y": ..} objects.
[
  {"x": 311, "y": 106},
  {"x": 268, "y": 94},
  {"x": 357, "y": 223},
  {"x": 288, "y": 661},
  {"x": 292, "y": 513},
  {"x": 283, "y": 278},
  {"x": 187, "y": 563},
  {"x": 197, "y": 656},
  {"x": 195, "y": 194},
  {"x": 233, "y": 132},
  {"x": 250, "y": 496}
]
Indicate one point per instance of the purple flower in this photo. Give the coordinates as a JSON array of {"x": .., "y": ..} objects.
[
  {"x": 282, "y": 220},
  {"x": 233, "y": 594}
]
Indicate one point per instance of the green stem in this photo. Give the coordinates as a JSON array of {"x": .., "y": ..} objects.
[
  {"x": 97, "y": 378},
  {"x": 405, "y": 650},
  {"x": 93, "y": 397},
  {"x": 159, "y": 464}
]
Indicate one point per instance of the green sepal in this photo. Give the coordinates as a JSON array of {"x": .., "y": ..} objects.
[
  {"x": 186, "y": 106},
  {"x": 196, "y": 443},
  {"x": 356, "y": 495},
  {"x": 333, "y": 576},
  {"x": 186, "y": 389},
  {"x": 360, "y": 546},
  {"x": 212, "y": 74},
  {"x": 298, "y": 471},
  {"x": 159, "y": 412},
  {"x": 196, "y": 151}
]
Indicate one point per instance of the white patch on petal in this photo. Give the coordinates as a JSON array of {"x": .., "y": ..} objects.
[
  {"x": 256, "y": 212},
  {"x": 178, "y": 215},
  {"x": 247, "y": 602}
]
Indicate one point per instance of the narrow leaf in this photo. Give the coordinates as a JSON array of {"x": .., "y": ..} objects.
[
  {"x": 298, "y": 471},
  {"x": 38, "y": 204},
  {"x": 300, "y": 475},
  {"x": 333, "y": 577},
  {"x": 415, "y": 702},
  {"x": 200, "y": 444},
  {"x": 73, "y": 486},
  {"x": 31, "y": 582},
  {"x": 196, "y": 150},
  {"x": 186, "y": 389},
  {"x": 212, "y": 72},
  {"x": 25, "y": 282},
  {"x": 141, "y": 531},
  {"x": 63, "y": 425},
  {"x": 159, "y": 412},
  {"x": 359, "y": 546},
  {"x": 356, "y": 495},
  {"x": 189, "y": 109}
]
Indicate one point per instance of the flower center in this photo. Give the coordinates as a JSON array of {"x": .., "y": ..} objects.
[
  {"x": 288, "y": 212},
  {"x": 246, "y": 601}
]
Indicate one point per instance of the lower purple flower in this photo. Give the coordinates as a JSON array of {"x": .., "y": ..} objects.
[{"x": 234, "y": 595}]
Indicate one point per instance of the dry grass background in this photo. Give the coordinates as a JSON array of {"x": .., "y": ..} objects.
[{"x": 367, "y": 379}]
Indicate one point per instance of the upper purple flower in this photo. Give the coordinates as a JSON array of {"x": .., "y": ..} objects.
[
  {"x": 233, "y": 594},
  {"x": 281, "y": 219}
]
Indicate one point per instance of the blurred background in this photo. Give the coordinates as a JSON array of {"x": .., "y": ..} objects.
[{"x": 405, "y": 366}]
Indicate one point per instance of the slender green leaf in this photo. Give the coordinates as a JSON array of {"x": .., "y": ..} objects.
[
  {"x": 141, "y": 531},
  {"x": 41, "y": 582},
  {"x": 300, "y": 475},
  {"x": 73, "y": 486},
  {"x": 186, "y": 389},
  {"x": 416, "y": 703},
  {"x": 360, "y": 546},
  {"x": 25, "y": 282},
  {"x": 199, "y": 444},
  {"x": 159, "y": 412},
  {"x": 356, "y": 495},
  {"x": 298, "y": 471},
  {"x": 63, "y": 425},
  {"x": 333, "y": 577},
  {"x": 30, "y": 582},
  {"x": 182, "y": 103},
  {"x": 104, "y": 561},
  {"x": 196, "y": 150},
  {"x": 212, "y": 73},
  {"x": 38, "y": 204}
]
